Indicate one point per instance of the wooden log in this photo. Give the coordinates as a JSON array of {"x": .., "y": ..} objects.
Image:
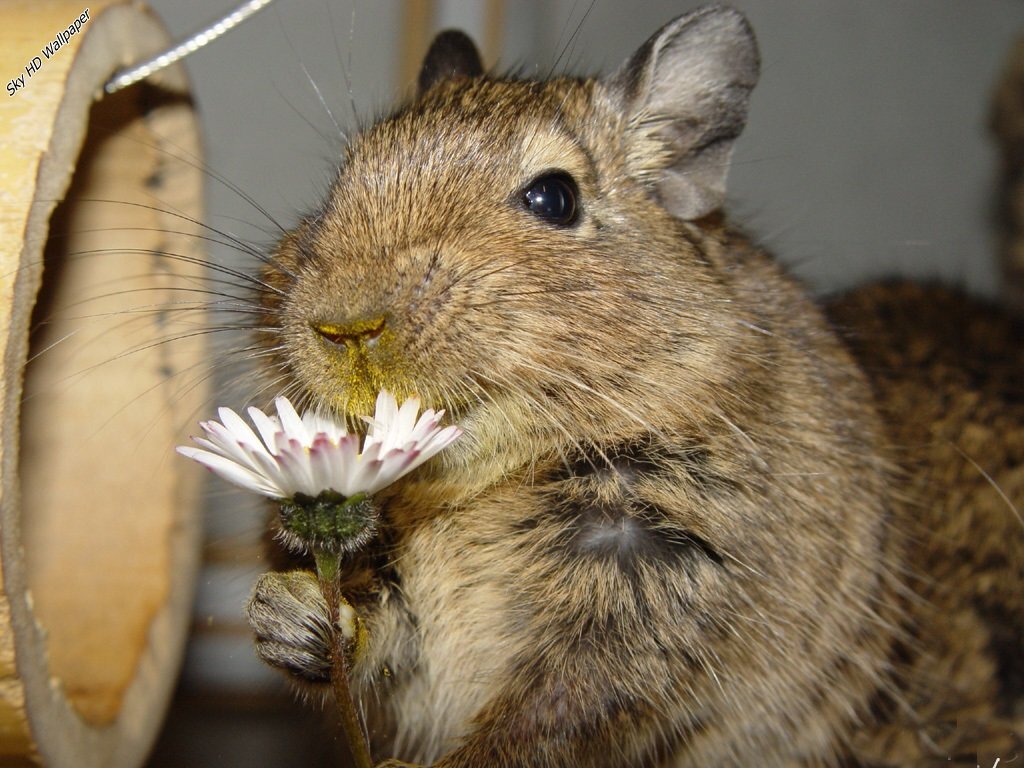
[{"x": 99, "y": 526}]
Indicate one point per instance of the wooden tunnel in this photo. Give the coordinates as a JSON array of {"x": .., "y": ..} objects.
[{"x": 99, "y": 203}]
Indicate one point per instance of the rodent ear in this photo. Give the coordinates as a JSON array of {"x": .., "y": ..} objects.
[
  {"x": 685, "y": 93},
  {"x": 451, "y": 55}
]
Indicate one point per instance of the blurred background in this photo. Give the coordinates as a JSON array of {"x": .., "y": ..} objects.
[{"x": 867, "y": 154}]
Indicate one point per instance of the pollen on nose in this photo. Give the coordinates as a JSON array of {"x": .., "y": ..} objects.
[{"x": 354, "y": 334}]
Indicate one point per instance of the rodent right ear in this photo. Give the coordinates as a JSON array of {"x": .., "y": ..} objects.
[
  {"x": 452, "y": 54},
  {"x": 685, "y": 93}
]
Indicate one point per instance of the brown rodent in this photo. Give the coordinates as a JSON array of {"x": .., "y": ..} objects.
[{"x": 695, "y": 519}]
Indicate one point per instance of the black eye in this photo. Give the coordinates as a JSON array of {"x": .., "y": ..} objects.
[{"x": 552, "y": 197}]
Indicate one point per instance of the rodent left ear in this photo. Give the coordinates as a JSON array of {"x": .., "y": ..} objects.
[
  {"x": 685, "y": 93},
  {"x": 452, "y": 54}
]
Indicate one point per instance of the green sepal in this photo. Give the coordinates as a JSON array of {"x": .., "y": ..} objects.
[{"x": 328, "y": 521}]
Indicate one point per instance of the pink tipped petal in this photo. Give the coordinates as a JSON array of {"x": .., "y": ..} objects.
[
  {"x": 285, "y": 443},
  {"x": 210, "y": 446},
  {"x": 253, "y": 461},
  {"x": 438, "y": 439},
  {"x": 327, "y": 471},
  {"x": 435, "y": 445},
  {"x": 367, "y": 476},
  {"x": 308, "y": 454},
  {"x": 296, "y": 469},
  {"x": 223, "y": 442},
  {"x": 387, "y": 469},
  {"x": 442, "y": 439},
  {"x": 424, "y": 427},
  {"x": 371, "y": 452},
  {"x": 271, "y": 468},
  {"x": 347, "y": 462},
  {"x": 232, "y": 472},
  {"x": 419, "y": 459},
  {"x": 372, "y": 431},
  {"x": 214, "y": 430},
  {"x": 396, "y": 462}
]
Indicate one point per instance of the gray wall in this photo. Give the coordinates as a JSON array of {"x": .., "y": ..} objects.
[{"x": 866, "y": 152}]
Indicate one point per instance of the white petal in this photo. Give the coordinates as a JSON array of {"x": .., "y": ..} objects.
[
  {"x": 384, "y": 416},
  {"x": 318, "y": 423},
  {"x": 371, "y": 452},
  {"x": 247, "y": 439},
  {"x": 291, "y": 422},
  {"x": 348, "y": 448},
  {"x": 313, "y": 423},
  {"x": 406, "y": 420},
  {"x": 336, "y": 432},
  {"x": 271, "y": 469},
  {"x": 254, "y": 462},
  {"x": 268, "y": 426},
  {"x": 236, "y": 425},
  {"x": 232, "y": 472},
  {"x": 386, "y": 406}
]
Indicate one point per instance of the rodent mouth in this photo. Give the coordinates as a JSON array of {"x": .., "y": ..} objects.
[{"x": 350, "y": 362}]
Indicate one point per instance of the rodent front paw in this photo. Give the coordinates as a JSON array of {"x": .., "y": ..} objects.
[{"x": 289, "y": 615}]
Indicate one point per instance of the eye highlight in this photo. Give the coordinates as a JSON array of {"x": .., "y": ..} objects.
[{"x": 553, "y": 197}]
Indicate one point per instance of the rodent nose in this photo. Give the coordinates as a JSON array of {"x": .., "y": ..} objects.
[{"x": 352, "y": 335}]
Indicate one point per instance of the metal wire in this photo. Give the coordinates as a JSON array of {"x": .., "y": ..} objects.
[{"x": 128, "y": 76}]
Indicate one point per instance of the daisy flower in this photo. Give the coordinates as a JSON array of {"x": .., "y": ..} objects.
[{"x": 317, "y": 470}]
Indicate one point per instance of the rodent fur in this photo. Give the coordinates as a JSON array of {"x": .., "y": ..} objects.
[{"x": 686, "y": 526}]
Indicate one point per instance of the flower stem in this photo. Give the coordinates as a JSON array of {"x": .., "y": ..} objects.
[{"x": 327, "y": 567}]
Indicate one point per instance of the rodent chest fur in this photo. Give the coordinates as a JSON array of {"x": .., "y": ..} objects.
[{"x": 673, "y": 533}]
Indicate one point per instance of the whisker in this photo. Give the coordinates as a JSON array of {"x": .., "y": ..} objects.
[
  {"x": 316, "y": 90},
  {"x": 991, "y": 481},
  {"x": 231, "y": 239},
  {"x": 235, "y": 244},
  {"x": 194, "y": 260},
  {"x": 571, "y": 42},
  {"x": 140, "y": 348}
]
